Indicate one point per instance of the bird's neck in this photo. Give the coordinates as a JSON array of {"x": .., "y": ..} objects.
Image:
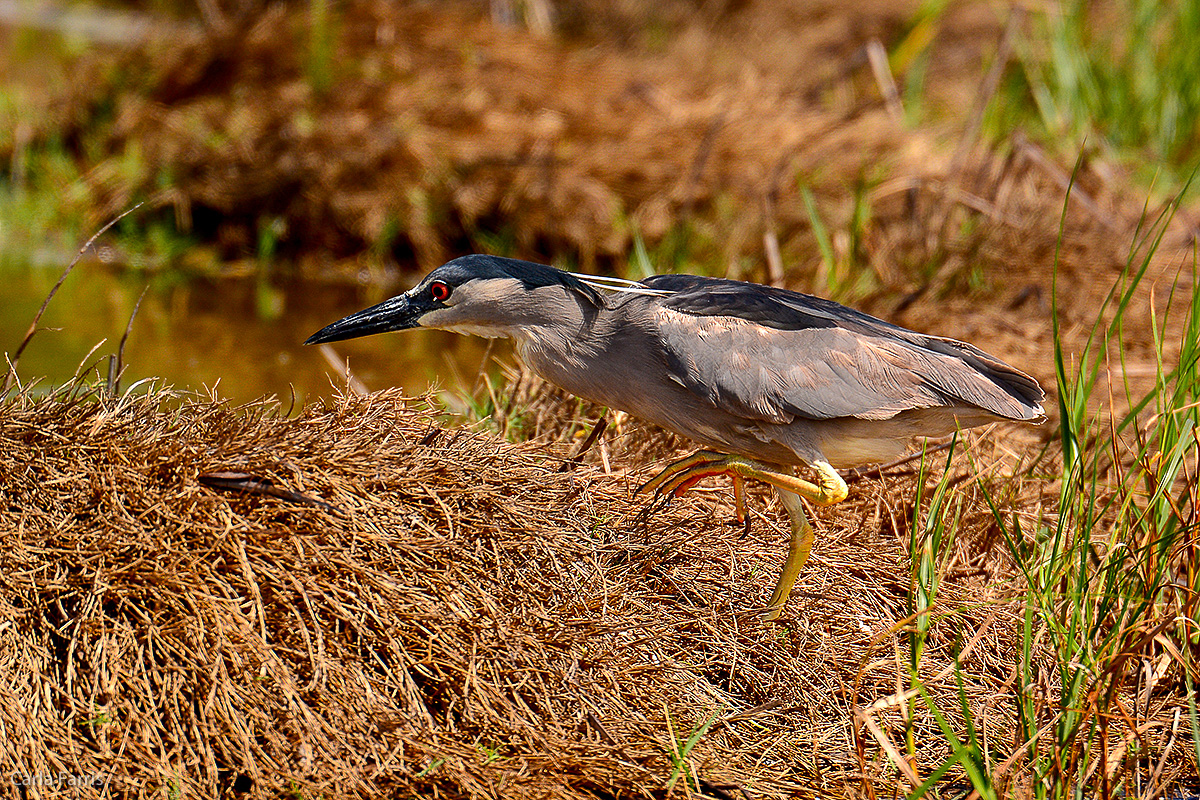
[{"x": 562, "y": 354}]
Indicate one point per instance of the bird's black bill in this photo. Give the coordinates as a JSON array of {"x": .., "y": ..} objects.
[{"x": 397, "y": 314}]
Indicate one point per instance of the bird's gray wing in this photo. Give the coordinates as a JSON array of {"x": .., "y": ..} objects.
[
  {"x": 775, "y": 375},
  {"x": 773, "y": 354}
]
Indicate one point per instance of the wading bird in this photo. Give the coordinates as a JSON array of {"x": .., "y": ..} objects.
[{"x": 769, "y": 379}]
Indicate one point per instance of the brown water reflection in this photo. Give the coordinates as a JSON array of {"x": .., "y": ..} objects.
[{"x": 231, "y": 334}]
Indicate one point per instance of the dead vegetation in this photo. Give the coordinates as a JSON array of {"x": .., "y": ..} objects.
[
  {"x": 442, "y": 131},
  {"x": 440, "y": 125},
  {"x": 467, "y": 621},
  {"x": 437, "y": 130}
]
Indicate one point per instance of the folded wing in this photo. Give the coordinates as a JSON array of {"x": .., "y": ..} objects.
[{"x": 772, "y": 355}]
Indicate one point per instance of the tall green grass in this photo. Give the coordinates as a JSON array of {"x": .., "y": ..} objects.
[
  {"x": 320, "y": 46},
  {"x": 1122, "y": 73},
  {"x": 1099, "y": 576},
  {"x": 1107, "y": 579}
]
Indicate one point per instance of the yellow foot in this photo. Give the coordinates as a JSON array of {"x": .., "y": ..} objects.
[
  {"x": 680, "y": 476},
  {"x": 829, "y": 488}
]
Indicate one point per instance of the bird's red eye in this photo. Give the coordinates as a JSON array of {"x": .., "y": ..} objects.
[{"x": 439, "y": 291}]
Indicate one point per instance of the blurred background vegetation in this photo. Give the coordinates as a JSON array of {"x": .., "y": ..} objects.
[
  {"x": 289, "y": 162},
  {"x": 879, "y": 154}
]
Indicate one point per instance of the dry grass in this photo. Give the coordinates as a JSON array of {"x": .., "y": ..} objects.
[
  {"x": 469, "y": 622},
  {"x": 446, "y": 132},
  {"x": 449, "y": 133}
]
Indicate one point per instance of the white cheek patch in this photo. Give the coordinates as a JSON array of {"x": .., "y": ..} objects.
[
  {"x": 478, "y": 330},
  {"x": 447, "y": 319}
]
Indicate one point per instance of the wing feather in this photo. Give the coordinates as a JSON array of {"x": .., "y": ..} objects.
[
  {"x": 777, "y": 375},
  {"x": 773, "y": 356}
]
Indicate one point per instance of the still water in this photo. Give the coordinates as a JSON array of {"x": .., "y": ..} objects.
[{"x": 232, "y": 334}]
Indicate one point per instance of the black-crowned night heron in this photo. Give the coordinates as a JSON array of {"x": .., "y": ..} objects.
[{"x": 768, "y": 378}]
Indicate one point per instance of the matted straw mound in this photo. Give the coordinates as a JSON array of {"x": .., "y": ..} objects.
[{"x": 465, "y": 621}]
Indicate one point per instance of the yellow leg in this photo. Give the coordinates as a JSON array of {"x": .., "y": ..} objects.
[
  {"x": 798, "y": 550},
  {"x": 829, "y": 488}
]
